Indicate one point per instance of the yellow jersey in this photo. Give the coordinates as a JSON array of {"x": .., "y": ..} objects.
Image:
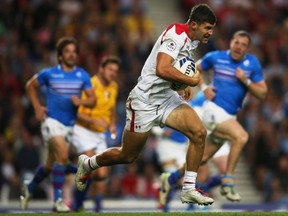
[{"x": 106, "y": 97}]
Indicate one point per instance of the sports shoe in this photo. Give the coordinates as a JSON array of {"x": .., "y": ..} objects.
[
  {"x": 228, "y": 190},
  {"x": 82, "y": 175},
  {"x": 196, "y": 196},
  {"x": 164, "y": 188},
  {"x": 60, "y": 206},
  {"x": 24, "y": 198}
]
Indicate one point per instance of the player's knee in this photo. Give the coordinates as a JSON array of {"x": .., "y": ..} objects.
[
  {"x": 242, "y": 138},
  {"x": 62, "y": 158},
  {"x": 198, "y": 136},
  {"x": 128, "y": 158}
]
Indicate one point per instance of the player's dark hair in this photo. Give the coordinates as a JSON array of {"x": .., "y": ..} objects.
[
  {"x": 62, "y": 42},
  {"x": 202, "y": 13},
  {"x": 243, "y": 33},
  {"x": 110, "y": 59}
]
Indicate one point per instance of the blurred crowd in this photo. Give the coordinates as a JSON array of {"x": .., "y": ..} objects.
[{"x": 29, "y": 30}]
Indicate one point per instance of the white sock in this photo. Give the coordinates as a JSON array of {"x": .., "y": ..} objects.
[
  {"x": 91, "y": 164},
  {"x": 189, "y": 180}
]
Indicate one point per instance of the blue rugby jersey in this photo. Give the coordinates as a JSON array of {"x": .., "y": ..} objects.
[
  {"x": 230, "y": 92},
  {"x": 198, "y": 100},
  {"x": 60, "y": 86}
]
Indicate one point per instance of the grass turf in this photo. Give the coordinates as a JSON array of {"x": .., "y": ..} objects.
[{"x": 159, "y": 214}]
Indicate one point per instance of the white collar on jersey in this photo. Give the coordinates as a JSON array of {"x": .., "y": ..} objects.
[{"x": 194, "y": 44}]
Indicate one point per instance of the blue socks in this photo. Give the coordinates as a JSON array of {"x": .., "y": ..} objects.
[
  {"x": 40, "y": 174},
  {"x": 174, "y": 177},
  {"x": 211, "y": 183},
  {"x": 80, "y": 197},
  {"x": 98, "y": 203},
  {"x": 58, "y": 179},
  {"x": 71, "y": 168}
]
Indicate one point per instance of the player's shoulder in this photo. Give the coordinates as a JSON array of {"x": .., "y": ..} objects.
[
  {"x": 251, "y": 57},
  {"x": 114, "y": 85},
  {"x": 82, "y": 71},
  {"x": 94, "y": 79},
  {"x": 177, "y": 30},
  {"x": 48, "y": 69}
]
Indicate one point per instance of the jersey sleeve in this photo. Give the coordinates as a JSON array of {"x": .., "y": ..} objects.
[
  {"x": 42, "y": 77},
  {"x": 257, "y": 74},
  {"x": 86, "y": 80},
  {"x": 207, "y": 61},
  {"x": 171, "y": 43}
]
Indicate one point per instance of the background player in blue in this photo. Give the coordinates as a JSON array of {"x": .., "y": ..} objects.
[
  {"x": 235, "y": 73},
  {"x": 64, "y": 84}
]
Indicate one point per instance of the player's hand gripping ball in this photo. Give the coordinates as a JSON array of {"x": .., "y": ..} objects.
[{"x": 186, "y": 66}]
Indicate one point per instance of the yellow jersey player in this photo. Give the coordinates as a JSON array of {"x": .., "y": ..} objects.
[{"x": 89, "y": 131}]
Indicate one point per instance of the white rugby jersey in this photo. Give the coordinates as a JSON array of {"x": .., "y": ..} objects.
[{"x": 175, "y": 42}]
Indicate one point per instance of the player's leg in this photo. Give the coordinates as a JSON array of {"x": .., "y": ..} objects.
[
  {"x": 132, "y": 145},
  {"x": 29, "y": 187},
  {"x": 80, "y": 196},
  {"x": 140, "y": 118},
  {"x": 219, "y": 159},
  {"x": 59, "y": 147},
  {"x": 170, "y": 154},
  {"x": 43, "y": 170},
  {"x": 231, "y": 130},
  {"x": 97, "y": 189},
  {"x": 185, "y": 120},
  {"x": 99, "y": 186}
]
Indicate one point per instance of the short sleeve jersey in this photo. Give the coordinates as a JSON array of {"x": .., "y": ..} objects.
[
  {"x": 106, "y": 97},
  {"x": 175, "y": 42},
  {"x": 60, "y": 86},
  {"x": 230, "y": 92}
]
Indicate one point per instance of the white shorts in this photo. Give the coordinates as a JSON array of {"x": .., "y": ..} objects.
[
  {"x": 168, "y": 150},
  {"x": 141, "y": 117},
  {"x": 223, "y": 151},
  {"x": 51, "y": 127},
  {"x": 213, "y": 115},
  {"x": 85, "y": 140},
  {"x": 199, "y": 111}
]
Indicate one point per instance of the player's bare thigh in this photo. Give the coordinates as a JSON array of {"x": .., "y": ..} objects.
[
  {"x": 229, "y": 130},
  {"x": 133, "y": 143},
  {"x": 184, "y": 119},
  {"x": 59, "y": 148}
]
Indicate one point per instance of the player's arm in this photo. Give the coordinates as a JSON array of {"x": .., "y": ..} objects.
[
  {"x": 209, "y": 91},
  {"x": 88, "y": 101},
  {"x": 88, "y": 120},
  {"x": 32, "y": 91},
  {"x": 259, "y": 89},
  {"x": 165, "y": 70},
  {"x": 187, "y": 93}
]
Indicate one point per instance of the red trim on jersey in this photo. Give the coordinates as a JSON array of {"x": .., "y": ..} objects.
[
  {"x": 179, "y": 29},
  {"x": 132, "y": 124},
  {"x": 186, "y": 182}
]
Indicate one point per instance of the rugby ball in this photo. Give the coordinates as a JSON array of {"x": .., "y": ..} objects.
[{"x": 186, "y": 66}]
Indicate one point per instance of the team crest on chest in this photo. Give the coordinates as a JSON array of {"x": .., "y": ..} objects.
[{"x": 107, "y": 95}]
